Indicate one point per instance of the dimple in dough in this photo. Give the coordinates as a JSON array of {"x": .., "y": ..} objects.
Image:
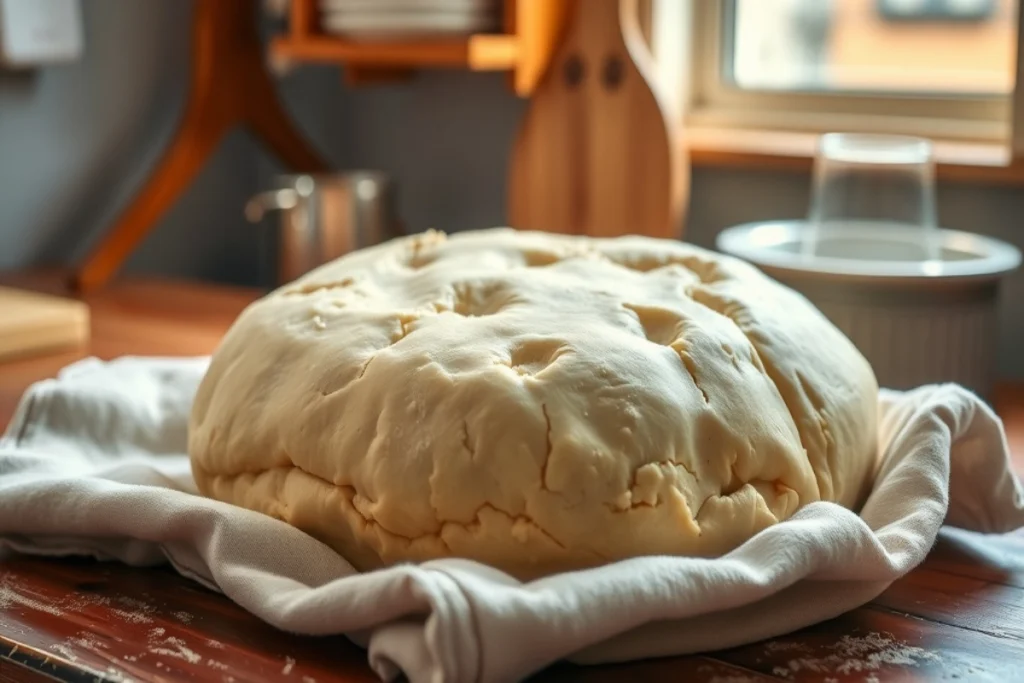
[{"x": 535, "y": 402}]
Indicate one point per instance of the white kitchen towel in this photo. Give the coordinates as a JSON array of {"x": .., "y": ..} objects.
[{"x": 94, "y": 463}]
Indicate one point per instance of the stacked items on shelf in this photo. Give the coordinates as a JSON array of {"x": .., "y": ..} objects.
[{"x": 370, "y": 20}]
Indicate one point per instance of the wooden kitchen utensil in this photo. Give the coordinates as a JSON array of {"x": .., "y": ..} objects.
[
  {"x": 596, "y": 153},
  {"x": 32, "y": 323}
]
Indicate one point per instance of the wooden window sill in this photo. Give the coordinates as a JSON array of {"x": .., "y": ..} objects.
[{"x": 779, "y": 150}]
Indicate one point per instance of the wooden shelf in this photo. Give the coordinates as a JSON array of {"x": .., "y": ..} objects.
[
  {"x": 482, "y": 52},
  {"x": 531, "y": 32}
]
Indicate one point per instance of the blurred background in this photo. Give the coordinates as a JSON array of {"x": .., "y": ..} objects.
[{"x": 78, "y": 137}]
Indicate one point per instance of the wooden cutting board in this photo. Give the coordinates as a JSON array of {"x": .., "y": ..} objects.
[
  {"x": 596, "y": 153},
  {"x": 33, "y": 323}
]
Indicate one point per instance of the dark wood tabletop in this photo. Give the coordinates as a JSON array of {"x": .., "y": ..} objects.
[{"x": 957, "y": 617}]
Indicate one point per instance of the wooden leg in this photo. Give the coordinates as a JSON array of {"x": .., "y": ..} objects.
[
  {"x": 192, "y": 146},
  {"x": 229, "y": 86},
  {"x": 268, "y": 121}
]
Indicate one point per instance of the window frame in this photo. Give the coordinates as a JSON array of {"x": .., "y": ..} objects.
[{"x": 709, "y": 101}]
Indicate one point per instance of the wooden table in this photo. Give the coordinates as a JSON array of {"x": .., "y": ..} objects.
[{"x": 959, "y": 616}]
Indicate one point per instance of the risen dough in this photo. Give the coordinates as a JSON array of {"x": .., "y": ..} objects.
[{"x": 532, "y": 401}]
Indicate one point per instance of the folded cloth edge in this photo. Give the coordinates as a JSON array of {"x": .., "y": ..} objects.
[{"x": 972, "y": 418}]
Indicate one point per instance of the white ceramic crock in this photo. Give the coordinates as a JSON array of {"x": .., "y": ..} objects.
[{"x": 916, "y": 320}]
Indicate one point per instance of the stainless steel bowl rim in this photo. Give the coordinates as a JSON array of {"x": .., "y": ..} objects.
[
  {"x": 764, "y": 244},
  {"x": 289, "y": 179}
]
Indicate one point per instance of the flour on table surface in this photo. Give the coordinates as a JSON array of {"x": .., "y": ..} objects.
[
  {"x": 215, "y": 644},
  {"x": 171, "y": 647},
  {"x": 10, "y": 596},
  {"x": 182, "y": 616},
  {"x": 308, "y": 679},
  {"x": 111, "y": 674},
  {"x": 89, "y": 641},
  {"x": 289, "y": 664},
  {"x": 133, "y": 611},
  {"x": 64, "y": 651},
  {"x": 128, "y": 609},
  {"x": 76, "y": 602},
  {"x": 859, "y": 654}
]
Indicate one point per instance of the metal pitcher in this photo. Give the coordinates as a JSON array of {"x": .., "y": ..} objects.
[{"x": 326, "y": 216}]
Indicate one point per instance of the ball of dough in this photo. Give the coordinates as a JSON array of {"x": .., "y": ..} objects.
[{"x": 535, "y": 402}]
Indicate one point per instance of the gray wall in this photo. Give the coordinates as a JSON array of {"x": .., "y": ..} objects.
[{"x": 77, "y": 140}]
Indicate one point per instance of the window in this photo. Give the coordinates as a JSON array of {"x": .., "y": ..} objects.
[
  {"x": 897, "y": 46},
  {"x": 944, "y": 68}
]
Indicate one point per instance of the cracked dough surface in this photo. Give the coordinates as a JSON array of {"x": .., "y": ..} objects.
[{"x": 533, "y": 401}]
